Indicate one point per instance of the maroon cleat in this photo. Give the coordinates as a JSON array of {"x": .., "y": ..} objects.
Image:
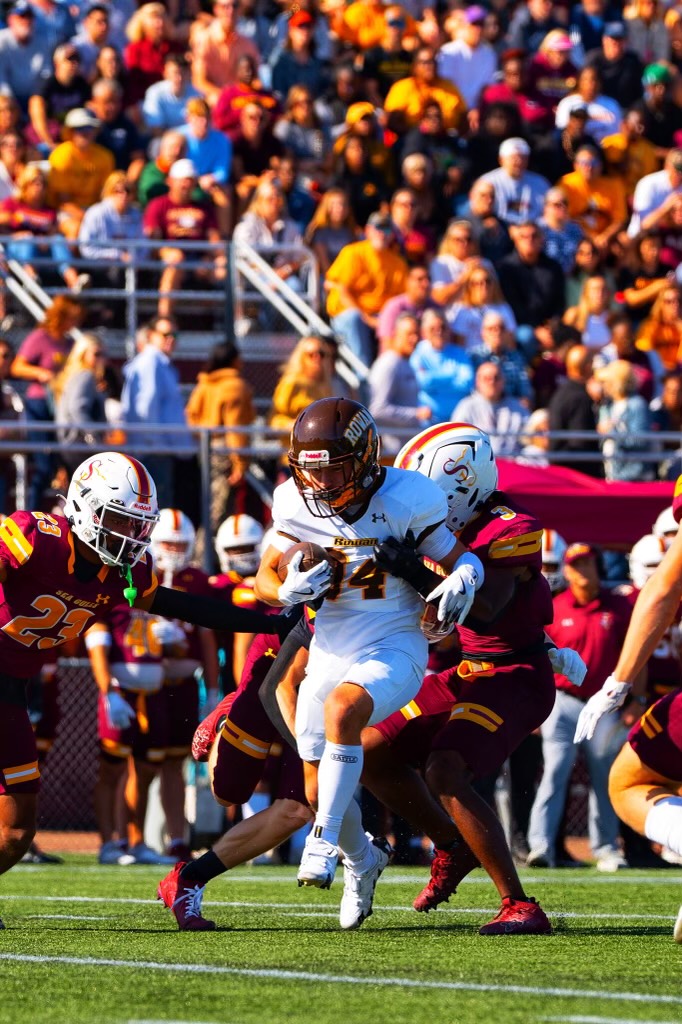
[
  {"x": 206, "y": 731},
  {"x": 184, "y": 900},
  {"x": 446, "y": 874},
  {"x": 518, "y": 917}
]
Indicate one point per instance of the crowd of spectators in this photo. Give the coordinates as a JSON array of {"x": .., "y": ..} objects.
[{"x": 493, "y": 194}]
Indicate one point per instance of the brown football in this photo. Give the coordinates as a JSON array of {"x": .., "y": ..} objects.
[{"x": 313, "y": 554}]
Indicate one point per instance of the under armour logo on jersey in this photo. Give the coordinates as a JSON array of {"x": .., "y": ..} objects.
[
  {"x": 378, "y": 517},
  {"x": 102, "y": 599}
]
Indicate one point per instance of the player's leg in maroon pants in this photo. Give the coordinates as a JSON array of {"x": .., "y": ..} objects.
[{"x": 17, "y": 827}]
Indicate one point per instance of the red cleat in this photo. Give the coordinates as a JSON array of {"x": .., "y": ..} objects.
[
  {"x": 446, "y": 874},
  {"x": 518, "y": 917},
  {"x": 206, "y": 731},
  {"x": 184, "y": 900}
]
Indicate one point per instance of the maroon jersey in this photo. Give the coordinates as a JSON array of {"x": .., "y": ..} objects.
[
  {"x": 192, "y": 581},
  {"x": 132, "y": 640},
  {"x": 596, "y": 631},
  {"x": 239, "y": 592},
  {"x": 506, "y": 536},
  {"x": 189, "y": 221},
  {"x": 657, "y": 737},
  {"x": 44, "y": 603}
]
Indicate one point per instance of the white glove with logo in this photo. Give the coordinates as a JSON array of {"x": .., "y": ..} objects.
[
  {"x": 458, "y": 590},
  {"x": 611, "y": 696},
  {"x": 300, "y": 587},
  {"x": 567, "y": 662},
  {"x": 167, "y": 632},
  {"x": 118, "y": 711}
]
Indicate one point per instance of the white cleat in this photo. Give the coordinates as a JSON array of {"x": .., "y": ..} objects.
[
  {"x": 677, "y": 930},
  {"x": 143, "y": 854},
  {"x": 318, "y": 863},
  {"x": 358, "y": 890}
]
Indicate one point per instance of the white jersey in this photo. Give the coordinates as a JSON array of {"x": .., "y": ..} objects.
[{"x": 367, "y": 606}]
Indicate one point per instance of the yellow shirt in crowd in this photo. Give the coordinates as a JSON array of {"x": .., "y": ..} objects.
[
  {"x": 409, "y": 96},
  {"x": 79, "y": 175},
  {"x": 372, "y": 277},
  {"x": 629, "y": 160},
  {"x": 596, "y": 205}
]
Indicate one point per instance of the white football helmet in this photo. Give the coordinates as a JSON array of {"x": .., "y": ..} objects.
[
  {"x": 645, "y": 557},
  {"x": 112, "y": 507},
  {"x": 553, "y": 551},
  {"x": 460, "y": 459},
  {"x": 238, "y": 545},
  {"x": 665, "y": 526},
  {"x": 173, "y": 528}
]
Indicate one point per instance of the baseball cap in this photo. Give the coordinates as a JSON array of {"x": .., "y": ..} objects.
[
  {"x": 558, "y": 41},
  {"x": 615, "y": 30},
  {"x": 514, "y": 147},
  {"x": 183, "y": 169},
  {"x": 579, "y": 550},
  {"x": 380, "y": 221},
  {"x": 357, "y": 111},
  {"x": 300, "y": 18},
  {"x": 23, "y": 9},
  {"x": 656, "y": 74},
  {"x": 81, "y": 117},
  {"x": 475, "y": 14}
]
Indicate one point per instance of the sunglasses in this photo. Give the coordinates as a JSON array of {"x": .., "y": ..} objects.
[
  {"x": 166, "y": 334},
  {"x": 556, "y": 202},
  {"x": 316, "y": 352}
]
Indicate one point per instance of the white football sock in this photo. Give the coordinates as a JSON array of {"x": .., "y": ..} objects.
[
  {"x": 664, "y": 823},
  {"x": 353, "y": 841},
  {"x": 337, "y": 779}
]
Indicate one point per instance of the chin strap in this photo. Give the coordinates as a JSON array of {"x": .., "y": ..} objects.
[{"x": 129, "y": 592}]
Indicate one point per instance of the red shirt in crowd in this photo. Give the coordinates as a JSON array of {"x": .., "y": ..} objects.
[{"x": 190, "y": 222}]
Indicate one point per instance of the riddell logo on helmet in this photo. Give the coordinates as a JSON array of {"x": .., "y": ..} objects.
[
  {"x": 142, "y": 507},
  {"x": 318, "y": 458},
  {"x": 361, "y": 421}
]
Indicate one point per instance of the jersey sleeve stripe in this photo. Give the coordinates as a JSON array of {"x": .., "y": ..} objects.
[
  {"x": 427, "y": 531},
  {"x": 12, "y": 536},
  {"x": 21, "y": 773},
  {"x": 509, "y": 547}
]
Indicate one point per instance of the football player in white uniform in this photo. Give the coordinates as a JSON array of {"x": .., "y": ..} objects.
[{"x": 368, "y": 656}]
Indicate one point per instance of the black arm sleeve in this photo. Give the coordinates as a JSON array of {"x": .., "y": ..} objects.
[
  {"x": 215, "y": 614},
  {"x": 300, "y": 636},
  {"x": 401, "y": 559}
]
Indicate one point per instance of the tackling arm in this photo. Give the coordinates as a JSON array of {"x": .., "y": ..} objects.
[{"x": 211, "y": 612}]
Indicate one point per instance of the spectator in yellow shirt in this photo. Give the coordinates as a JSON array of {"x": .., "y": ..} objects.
[
  {"x": 407, "y": 97},
  {"x": 78, "y": 170},
  {"x": 360, "y": 280},
  {"x": 628, "y": 154},
  {"x": 595, "y": 202},
  {"x": 363, "y": 24}
]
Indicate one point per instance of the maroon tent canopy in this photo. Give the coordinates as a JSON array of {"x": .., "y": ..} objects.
[{"x": 608, "y": 513}]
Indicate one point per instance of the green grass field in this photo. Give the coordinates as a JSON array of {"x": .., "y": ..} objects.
[{"x": 85, "y": 943}]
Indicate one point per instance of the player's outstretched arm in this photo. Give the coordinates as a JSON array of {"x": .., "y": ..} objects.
[
  {"x": 654, "y": 612},
  {"x": 211, "y": 612}
]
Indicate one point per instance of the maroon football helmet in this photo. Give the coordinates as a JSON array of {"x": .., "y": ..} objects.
[{"x": 334, "y": 455}]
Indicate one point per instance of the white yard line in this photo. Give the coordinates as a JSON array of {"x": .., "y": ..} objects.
[
  {"x": 578, "y": 1019},
  {"x": 303, "y": 907},
  {"x": 66, "y": 917},
  {"x": 341, "y": 979},
  {"x": 549, "y": 877}
]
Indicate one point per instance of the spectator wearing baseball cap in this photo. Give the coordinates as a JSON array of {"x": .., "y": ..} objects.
[
  {"x": 647, "y": 34},
  {"x": 603, "y": 113},
  {"x": 620, "y": 70},
  {"x": 407, "y": 98},
  {"x": 78, "y": 169},
  {"x": 362, "y": 278},
  {"x": 519, "y": 193},
  {"x": 552, "y": 73},
  {"x": 24, "y": 56},
  {"x": 662, "y": 117},
  {"x": 179, "y": 217},
  {"x": 361, "y": 122},
  {"x": 387, "y": 63},
  {"x": 468, "y": 62},
  {"x": 297, "y": 62}
]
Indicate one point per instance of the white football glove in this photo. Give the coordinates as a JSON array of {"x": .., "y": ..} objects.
[
  {"x": 611, "y": 696},
  {"x": 458, "y": 590},
  {"x": 167, "y": 632},
  {"x": 118, "y": 711},
  {"x": 567, "y": 662},
  {"x": 300, "y": 587}
]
